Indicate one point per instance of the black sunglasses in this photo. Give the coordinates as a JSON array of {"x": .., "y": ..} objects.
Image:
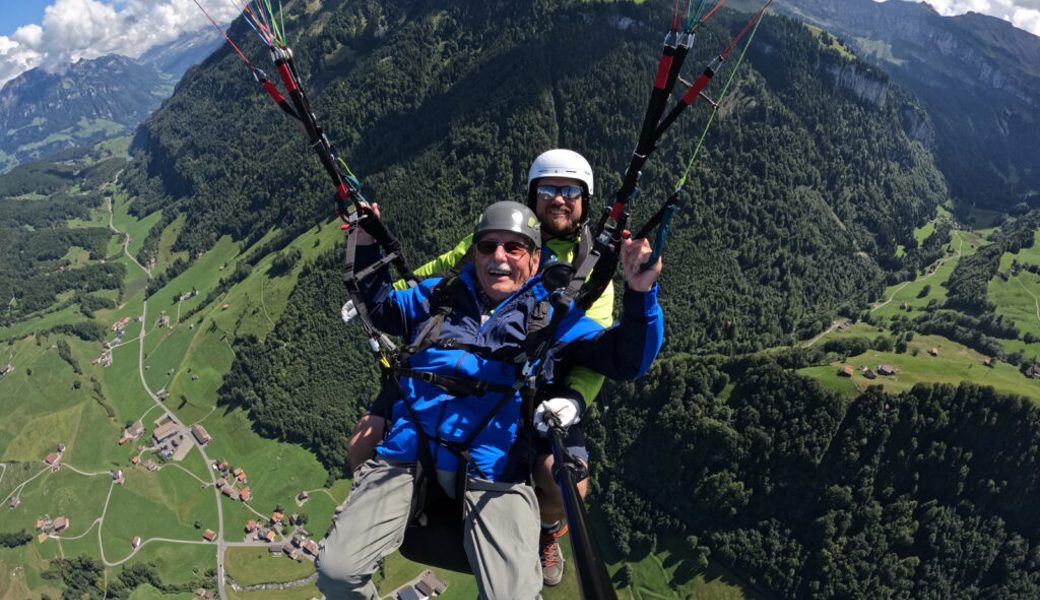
[
  {"x": 568, "y": 192},
  {"x": 513, "y": 248}
]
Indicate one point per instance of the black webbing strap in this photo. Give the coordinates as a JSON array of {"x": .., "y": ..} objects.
[{"x": 456, "y": 386}]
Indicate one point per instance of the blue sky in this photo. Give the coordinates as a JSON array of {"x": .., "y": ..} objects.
[{"x": 15, "y": 13}]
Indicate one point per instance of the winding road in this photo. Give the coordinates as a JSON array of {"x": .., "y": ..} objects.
[{"x": 220, "y": 543}]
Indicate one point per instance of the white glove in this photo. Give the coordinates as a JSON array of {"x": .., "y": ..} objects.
[
  {"x": 348, "y": 313},
  {"x": 567, "y": 411}
]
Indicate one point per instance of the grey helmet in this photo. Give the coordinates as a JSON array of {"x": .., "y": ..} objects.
[{"x": 510, "y": 216}]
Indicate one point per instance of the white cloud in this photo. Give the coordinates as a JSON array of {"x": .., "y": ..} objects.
[
  {"x": 75, "y": 29},
  {"x": 1028, "y": 19},
  {"x": 1024, "y": 14}
]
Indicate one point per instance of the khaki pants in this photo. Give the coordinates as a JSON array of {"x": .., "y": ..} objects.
[{"x": 500, "y": 534}]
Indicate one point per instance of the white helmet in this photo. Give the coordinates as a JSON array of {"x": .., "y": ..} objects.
[{"x": 559, "y": 163}]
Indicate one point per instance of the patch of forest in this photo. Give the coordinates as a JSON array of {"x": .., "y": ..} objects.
[{"x": 922, "y": 494}]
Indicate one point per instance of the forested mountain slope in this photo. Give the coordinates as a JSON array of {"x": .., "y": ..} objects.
[
  {"x": 44, "y": 112},
  {"x": 808, "y": 183},
  {"x": 978, "y": 77}
]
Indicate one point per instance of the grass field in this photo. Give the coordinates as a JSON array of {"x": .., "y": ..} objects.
[
  {"x": 41, "y": 322},
  {"x": 147, "y": 592},
  {"x": 1018, "y": 297},
  {"x": 306, "y": 592},
  {"x": 252, "y": 566},
  {"x": 954, "y": 364},
  {"x": 913, "y": 293}
]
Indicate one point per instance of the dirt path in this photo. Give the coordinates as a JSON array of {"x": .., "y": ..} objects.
[
  {"x": 834, "y": 325},
  {"x": 1036, "y": 302},
  {"x": 126, "y": 238}
]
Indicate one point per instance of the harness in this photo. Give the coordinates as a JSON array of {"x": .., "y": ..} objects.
[{"x": 429, "y": 337}]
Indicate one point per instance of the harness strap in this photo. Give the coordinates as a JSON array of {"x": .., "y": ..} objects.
[{"x": 456, "y": 386}]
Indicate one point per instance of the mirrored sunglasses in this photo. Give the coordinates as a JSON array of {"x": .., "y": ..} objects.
[{"x": 567, "y": 192}]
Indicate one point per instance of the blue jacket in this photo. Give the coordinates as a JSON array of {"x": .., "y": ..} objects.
[{"x": 624, "y": 351}]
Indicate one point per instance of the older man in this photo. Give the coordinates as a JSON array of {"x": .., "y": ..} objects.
[
  {"x": 560, "y": 189},
  {"x": 458, "y": 403}
]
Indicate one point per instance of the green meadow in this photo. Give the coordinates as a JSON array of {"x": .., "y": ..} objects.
[
  {"x": 253, "y": 566},
  {"x": 914, "y": 294},
  {"x": 955, "y": 363}
]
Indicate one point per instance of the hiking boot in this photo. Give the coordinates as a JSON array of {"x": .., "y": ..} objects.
[{"x": 551, "y": 557}]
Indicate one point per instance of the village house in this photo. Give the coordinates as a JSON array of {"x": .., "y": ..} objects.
[
  {"x": 53, "y": 460},
  {"x": 134, "y": 431},
  {"x": 117, "y": 476},
  {"x": 431, "y": 584},
  {"x": 244, "y": 495},
  {"x": 310, "y": 547},
  {"x": 230, "y": 492},
  {"x": 135, "y": 459},
  {"x": 291, "y": 551},
  {"x": 201, "y": 435},
  {"x": 302, "y": 497},
  {"x": 165, "y": 431},
  {"x": 209, "y": 535},
  {"x": 221, "y": 483},
  {"x": 270, "y": 535},
  {"x": 151, "y": 465},
  {"x": 251, "y": 526},
  {"x": 410, "y": 593},
  {"x": 276, "y": 517},
  {"x": 274, "y": 549}
]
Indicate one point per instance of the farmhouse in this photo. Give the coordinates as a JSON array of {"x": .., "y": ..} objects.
[
  {"x": 868, "y": 373},
  {"x": 210, "y": 535},
  {"x": 230, "y": 492},
  {"x": 164, "y": 431},
  {"x": 136, "y": 542},
  {"x": 134, "y": 431},
  {"x": 200, "y": 434},
  {"x": 245, "y": 495},
  {"x": 14, "y": 502},
  {"x": 275, "y": 549},
  {"x": 60, "y": 524},
  {"x": 933, "y": 351},
  {"x": 410, "y": 593},
  {"x": 886, "y": 370},
  {"x": 846, "y": 371},
  {"x": 6, "y": 369},
  {"x": 431, "y": 584}
]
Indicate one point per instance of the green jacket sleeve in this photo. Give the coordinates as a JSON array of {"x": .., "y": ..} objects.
[
  {"x": 444, "y": 262},
  {"x": 583, "y": 380}
]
